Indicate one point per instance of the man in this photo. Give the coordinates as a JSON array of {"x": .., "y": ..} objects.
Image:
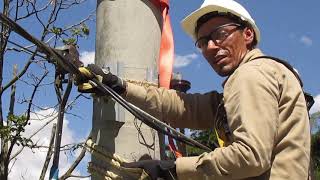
[{"x": 261, "y": 116}]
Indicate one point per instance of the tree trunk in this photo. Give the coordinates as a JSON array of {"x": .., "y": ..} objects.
[{"x": 4, "y": 141}]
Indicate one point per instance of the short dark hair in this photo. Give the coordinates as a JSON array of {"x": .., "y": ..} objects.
[{"x": 203, "y": 19}]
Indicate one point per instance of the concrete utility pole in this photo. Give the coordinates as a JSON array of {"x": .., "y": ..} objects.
[{"x": 128, "y": 41}]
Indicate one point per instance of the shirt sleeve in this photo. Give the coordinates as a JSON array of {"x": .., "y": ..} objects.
[
  {"x": 195, "y": 111},
  {"x": 251, "y": 102}
]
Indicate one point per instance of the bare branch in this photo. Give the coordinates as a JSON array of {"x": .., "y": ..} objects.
[
  {"x": 36, "y": 132},
  {"x": 13, "y": 92},
  {"x": 52, "y": 118},
  {"x": 72, "y": 103},
  {"x": 20, "y": 10},
  {"x": 5, "y": 33},
  {"x": 24, "y": 70},
  {"x": 75, "y": 176},
  {"x": 14, "y": 162},
  {"x": 34, "y": 11},
  {"x": 55, "y": 162},
  {"x": 11, "y": 110},
  {"x": 74, "y": 115},
  {"x": 75, "y": 163},
  {"x": 81, "y": 22},
  {"x": 28, "y": 115},
  {"x": 24, "y": 49},
  {"x": 49, "y": 153},
  {"x": 67, "y": 5},
  {"x": 55, "y": 11}
]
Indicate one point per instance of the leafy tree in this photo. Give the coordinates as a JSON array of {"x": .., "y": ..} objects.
[
  {"x": 315, "y": 146},
  {"x": 205, "y": 137},
  {"x": 36, "y": 74}
]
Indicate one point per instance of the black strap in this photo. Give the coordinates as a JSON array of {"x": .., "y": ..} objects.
[
  {"x": 285, "y": 63},
  {"x": 308, "y": 97}
]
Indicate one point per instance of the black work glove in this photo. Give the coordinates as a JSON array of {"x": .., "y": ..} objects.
[
  {"x": 105, "y": 76},
  {"x": 165, "y": 169}
]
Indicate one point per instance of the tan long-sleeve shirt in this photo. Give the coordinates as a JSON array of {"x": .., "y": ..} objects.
[{"x": 266, "y": 114}]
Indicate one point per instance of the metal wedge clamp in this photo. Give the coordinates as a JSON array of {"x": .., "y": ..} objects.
[{"x": 69, "y": 53}]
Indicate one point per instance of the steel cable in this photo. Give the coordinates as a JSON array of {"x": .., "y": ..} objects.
[{"x": 71, "y": 68}]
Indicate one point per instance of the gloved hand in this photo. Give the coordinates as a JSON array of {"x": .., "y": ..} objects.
[
  {"x": 165, "y": 169},
  {"x": 106, "y": 77}
]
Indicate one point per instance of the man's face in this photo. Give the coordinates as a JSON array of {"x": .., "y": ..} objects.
[{"x": 226, "y": 53}]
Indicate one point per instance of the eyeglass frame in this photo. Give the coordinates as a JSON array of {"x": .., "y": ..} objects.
[{"x": 209, "y": 37}]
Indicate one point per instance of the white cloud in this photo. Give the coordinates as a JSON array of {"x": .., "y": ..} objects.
[
  {"x": 182, "y": 61},
  {"x": 87, "y": 57},
  {"x": 316, "y": 105},
  {"x": 29, "y": 163},
  {"x": 306, "y": 40}
]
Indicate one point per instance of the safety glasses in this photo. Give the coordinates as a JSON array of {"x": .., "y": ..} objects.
[{"x": 217, "y": 35}]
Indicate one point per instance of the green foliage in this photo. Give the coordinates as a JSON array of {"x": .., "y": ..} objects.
[
  {"x": 18, "y": 122},
  {"x": 206, "y": 137},
  {"x": 79, "y": 31},
  {"x": 315, "y": 116},
  {"x": 85, "y": 29},
  {"x": 69, "y": 41},
  {"x": 82, "y": 31},
  {"x": 15, "y": 125},
  {"x": 169, "y": 154},
  {"x": 315, "y": 147},
  {"x": 317, "y": 174},
  {"x": 56, "y": 30},
  {"x": 76, "y": 32},
  {"x": 72, "y": 34},
  {"x": 313, "y": 119},
  {"x": 315, "y": 153}
]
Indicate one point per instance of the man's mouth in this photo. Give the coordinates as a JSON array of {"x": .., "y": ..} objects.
[
  {"x": 220, "y": 56},
  {"x": 217, "y": 59}
]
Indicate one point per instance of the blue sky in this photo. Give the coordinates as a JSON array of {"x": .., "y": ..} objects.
[{"x": 289, "y": 30}]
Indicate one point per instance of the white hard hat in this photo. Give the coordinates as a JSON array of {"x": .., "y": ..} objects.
[{"x": 221, "y": 6}]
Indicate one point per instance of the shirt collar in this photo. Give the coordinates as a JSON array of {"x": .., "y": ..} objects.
[
  {"x": 248, "y": 57},
  {"x": 251, "y": 55}
]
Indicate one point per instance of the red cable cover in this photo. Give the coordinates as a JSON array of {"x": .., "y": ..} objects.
[{"x": 165, "y": 63}]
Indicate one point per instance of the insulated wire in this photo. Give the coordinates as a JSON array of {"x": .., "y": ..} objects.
[
  {"x": 148, "y": 119},
  {"x": 71, "y": 68}
]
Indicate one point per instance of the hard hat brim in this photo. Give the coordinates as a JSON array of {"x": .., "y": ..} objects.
[{"x": 190, "y": 22}]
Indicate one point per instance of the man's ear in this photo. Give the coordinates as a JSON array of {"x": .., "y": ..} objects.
[{"x": 248, "y": 35}]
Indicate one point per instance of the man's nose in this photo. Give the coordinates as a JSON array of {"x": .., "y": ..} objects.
[{"x": 212, "y": 46}]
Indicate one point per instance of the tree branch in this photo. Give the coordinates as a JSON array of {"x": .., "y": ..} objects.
[
  {"x": 28, "y": 115},
  {"x": 76, "y": 162},
  {"x": 36, "y": 132},
  {"x": 49, "y": 153},
  {"x": 74, "y": 165},
  {"x": 33, "y": 12},
  {"x": 5, "y": 33},
  {"x": 55, "y": 162},
  {"x": 24, "y": 49},
  {"x": 24, "y": 70}
]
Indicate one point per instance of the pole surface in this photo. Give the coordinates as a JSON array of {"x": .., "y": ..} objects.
[{"x": 128, "y": 41}]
